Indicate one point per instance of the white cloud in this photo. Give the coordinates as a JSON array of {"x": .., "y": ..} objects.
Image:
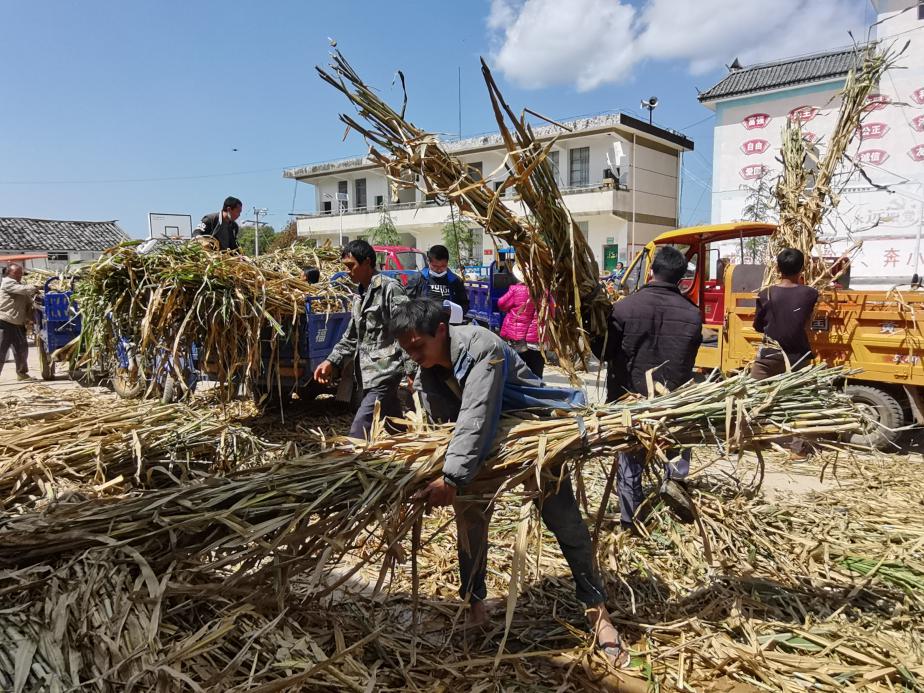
[
  {"x": 586, "y": 42},
  {"x": 592, "y": 42}
]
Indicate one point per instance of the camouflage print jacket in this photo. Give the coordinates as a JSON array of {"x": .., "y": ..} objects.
[{"x": 368, "y": 337}]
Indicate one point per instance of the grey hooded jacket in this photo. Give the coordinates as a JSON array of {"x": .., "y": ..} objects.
[{"x": 471, "y": 394}]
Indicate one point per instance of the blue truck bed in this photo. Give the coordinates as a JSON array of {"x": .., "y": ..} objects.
[{"x": 483, "y": 296}]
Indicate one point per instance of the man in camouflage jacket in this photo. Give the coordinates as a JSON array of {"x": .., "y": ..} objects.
[{"x": 378, "y": 361}]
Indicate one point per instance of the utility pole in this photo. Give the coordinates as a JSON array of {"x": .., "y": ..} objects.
[{"x": 257, "y": 211}]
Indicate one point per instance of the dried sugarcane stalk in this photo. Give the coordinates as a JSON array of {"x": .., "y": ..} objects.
[
  {"x": 560, "y": 270},
  {"x": 229, "y": 306},
  {"x": 806, "y": 189},
  {"x": 309, "y": 512}
]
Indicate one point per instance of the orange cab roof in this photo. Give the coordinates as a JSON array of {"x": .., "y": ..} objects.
[{"x": 715, "y": 232}]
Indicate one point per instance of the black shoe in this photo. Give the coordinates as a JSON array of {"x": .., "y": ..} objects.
[{"x": 675, "y": 496}]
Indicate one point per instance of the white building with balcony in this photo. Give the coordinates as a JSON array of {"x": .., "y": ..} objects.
[{"x": 619, "y": 175}]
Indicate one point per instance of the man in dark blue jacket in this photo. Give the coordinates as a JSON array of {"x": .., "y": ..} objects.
[
  {"x": 437, "y": 281},
  {"x": 655, "y": 329}
]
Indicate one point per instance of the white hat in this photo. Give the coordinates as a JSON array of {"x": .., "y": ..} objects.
[
  {"x": 518, "y": 272},
  {"x": 455, "y": 313}
]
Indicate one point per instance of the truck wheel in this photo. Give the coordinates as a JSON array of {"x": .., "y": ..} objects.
[
  {"x": 46, "y": 365},
  {"x": 126, "y": 384},
  {"x": 882, "y": 409}
]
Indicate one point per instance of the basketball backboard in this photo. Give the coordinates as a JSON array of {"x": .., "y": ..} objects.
[{"x": 169, "y": 225}]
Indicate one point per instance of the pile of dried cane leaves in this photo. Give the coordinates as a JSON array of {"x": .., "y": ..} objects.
[
  {"x": 264, "y": 580},
  {"x": 233, "y": 309},
  {"x": 53, "y": 442}
]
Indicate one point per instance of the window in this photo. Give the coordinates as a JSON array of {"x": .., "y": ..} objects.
[
  {"x": 921, "y": 10},
  {"x": 553, "y": 162},
  {"x": 379, "y": 201},
  {"x": 634, "y": 278},
  {"x": 359, "y": 193},
  {"x": 579, "y": 160},
  {"x": 57, "y": 256},
  {"x": 411, "y": 260},
  {"x": 326, "y": 208},
  {"x": 343, "y": 189},
  {"x": 476, "y": 170}
]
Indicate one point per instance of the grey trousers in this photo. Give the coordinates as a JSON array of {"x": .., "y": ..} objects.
[
  {"x": 14, "y": 336},
  {"x": 387, "y": 394},
  {"x": 629, "y": 480},
  {"x": 560, "y": 514}
]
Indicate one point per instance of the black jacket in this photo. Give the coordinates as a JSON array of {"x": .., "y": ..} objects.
[
  {"x": 450, "y": 287},
  {"x": 225, "y": 232},
  {"x": 656, "y": 325}
]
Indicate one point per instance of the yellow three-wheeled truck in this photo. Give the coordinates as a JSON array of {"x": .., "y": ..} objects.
[{"x": 879, "y": 333}]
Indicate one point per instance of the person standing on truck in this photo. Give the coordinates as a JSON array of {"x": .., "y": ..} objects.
[
  {"x": 520, "y": 328},
  {"x": 655, "y": 329},
  {"x": 468, "y": 375},
  {"x": 784, "y": 313},
  {"x": 378, "y": 362},
  {"x": 437, "y": 281},
  {"x": 222, "y": 226},
  {"x": 16, "y": 306}
]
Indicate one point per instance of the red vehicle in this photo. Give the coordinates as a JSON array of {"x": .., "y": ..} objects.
[{"x": 399, "y": 257}]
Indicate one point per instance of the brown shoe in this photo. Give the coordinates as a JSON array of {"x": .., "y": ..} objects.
[{"x": 676, "y": 497}]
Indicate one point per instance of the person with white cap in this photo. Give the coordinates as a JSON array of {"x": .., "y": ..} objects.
[{"x": 520, "y": 328}]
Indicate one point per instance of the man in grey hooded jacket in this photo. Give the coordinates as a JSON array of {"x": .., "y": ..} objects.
[{"x": 468, "y": 375}]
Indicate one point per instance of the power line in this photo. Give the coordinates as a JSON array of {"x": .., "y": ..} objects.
[
  {"x": 698, "y": 122},
  {"x": 109, "y": 181}
]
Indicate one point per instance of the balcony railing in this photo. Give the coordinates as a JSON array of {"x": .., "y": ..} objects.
[{"x": 420, "y": 204}]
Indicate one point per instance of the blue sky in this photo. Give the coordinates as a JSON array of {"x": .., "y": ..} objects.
[{"x": 112, "y": 109}]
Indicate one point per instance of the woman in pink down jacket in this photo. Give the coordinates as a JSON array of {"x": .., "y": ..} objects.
[{"x": 520, "y": 328}]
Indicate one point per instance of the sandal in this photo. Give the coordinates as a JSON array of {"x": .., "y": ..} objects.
[{"x": 616, "y": 653}]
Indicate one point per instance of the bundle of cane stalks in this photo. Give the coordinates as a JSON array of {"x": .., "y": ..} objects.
[
  {"x": 233, "y": 309},
  {"x": 558, "y": 264},
  {"x": 307, "y": 513},
  {"x": 103, "y": 445}
]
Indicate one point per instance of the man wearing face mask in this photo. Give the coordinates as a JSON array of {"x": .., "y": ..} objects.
[{"x": 437, "y": 281}]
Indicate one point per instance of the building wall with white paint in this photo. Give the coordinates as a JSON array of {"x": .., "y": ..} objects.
[{"x": 884, "y": 213}]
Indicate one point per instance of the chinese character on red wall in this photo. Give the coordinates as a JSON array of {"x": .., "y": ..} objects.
[
  {"x": 872, "y": 156},
  {"x": 753, "y": 171},
  {"x": 876, "y": 102},
  {"x": 803, "y": 114},
  {"x": 756, "y": 120},
  {"x": 873, "y": 131},
  {"x": 755, "y": 146}
]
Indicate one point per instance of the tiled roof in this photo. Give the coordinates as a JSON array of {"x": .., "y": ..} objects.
[
  {"x": 20, "y": 233},
  {"x": 784, "y": 73}
]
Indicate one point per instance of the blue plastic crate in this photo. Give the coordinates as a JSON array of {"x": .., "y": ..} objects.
[{"x": 60, "y": 321}]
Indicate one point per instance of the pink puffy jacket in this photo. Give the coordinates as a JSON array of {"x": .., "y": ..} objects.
[{"x": 520, "y": 322}]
